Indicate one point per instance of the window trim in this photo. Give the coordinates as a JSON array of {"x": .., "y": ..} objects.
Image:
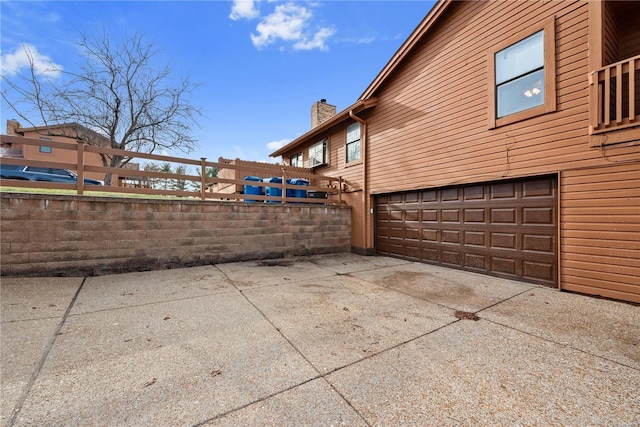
[
  {"x": 325, "y": 153},
  {"x": 347, "y": 142},
  {"x": 549, "y": 105}
]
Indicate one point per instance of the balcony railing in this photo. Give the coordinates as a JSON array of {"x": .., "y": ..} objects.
[{"x": 614, "y": 96}]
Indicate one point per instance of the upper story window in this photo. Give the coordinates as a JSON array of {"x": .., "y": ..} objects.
[
  {"x": 296, "y": 160},
  {"x": 319, "y": 154},
  {"x": 522, "y": 77},
  {"x": 519, "y": 75},
  {"x": 45, "y": 148},
  {"x": 353, "y": 142}
]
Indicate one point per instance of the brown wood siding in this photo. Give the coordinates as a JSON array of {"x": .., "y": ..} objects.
[
  {"x": 440, "y": 106},
  {"x": 600, "y": 237},
  {"x": 429, "y": 128}
]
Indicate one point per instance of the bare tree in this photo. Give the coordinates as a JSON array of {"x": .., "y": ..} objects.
[{"x": 118, "y": 96}]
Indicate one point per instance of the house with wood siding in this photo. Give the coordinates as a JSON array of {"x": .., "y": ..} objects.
[{"x": 501, "y": 138}]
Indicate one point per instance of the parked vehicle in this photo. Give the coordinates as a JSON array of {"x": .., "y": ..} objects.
[{"x": 33, "y": 173}]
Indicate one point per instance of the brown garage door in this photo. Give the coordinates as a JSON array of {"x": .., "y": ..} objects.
[{"x": 506, "y": 228}]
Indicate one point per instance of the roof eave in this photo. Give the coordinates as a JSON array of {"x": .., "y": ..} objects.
[{"x": 360, "y": 105}]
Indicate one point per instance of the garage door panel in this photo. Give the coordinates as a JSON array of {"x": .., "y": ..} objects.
[
  {"x": 450, "y": 236},
  {"x": 412, "y": 233},
  {"x": 450, "y": 194},
  {"x": 506, "y": 228},
  {"x": 538, "y": 243},
  {"x": 429, "y": 215},
  {"x": 475, "y": 262},
  {"x": 504, "y": 240},
  {"x": 539, "y": 270},
  {"x": 429, "y": 234},
  {"x": 538, "y": 188},
  {"x": 538, "y": 216},
  {"x": 412, "y": 215},
  {"x": 503, "y": 191},
  {"x": 474, "y": 193},
  {"x": 504, "y": 265},
  {"x": 453, "y": 258},
  {"x": 504, "y": 215},
  {"x": 476, "y": 215},
  {"x": 475, "y": 238}
]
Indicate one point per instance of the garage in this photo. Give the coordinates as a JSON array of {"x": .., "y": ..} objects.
[{"x": 505, "y": 228}]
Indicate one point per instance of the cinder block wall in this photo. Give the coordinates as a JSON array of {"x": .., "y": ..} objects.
[{"x": 79, "y": 235}]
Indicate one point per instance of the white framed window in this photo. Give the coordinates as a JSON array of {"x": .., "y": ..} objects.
[
  {"x": 522, "y": 76},
  {"x": 319, "y": 154},
  {"x": 353, "y": 142},
  {"x": 296, "y": 160}
]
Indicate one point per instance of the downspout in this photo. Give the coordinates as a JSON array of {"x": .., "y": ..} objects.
[{"x": 365, "y": 198}]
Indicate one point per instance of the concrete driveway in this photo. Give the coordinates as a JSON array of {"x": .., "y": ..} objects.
[{"x": 326, "y": 340}]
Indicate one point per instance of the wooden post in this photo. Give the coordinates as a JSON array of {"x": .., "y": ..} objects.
[
  {"x": 619, "y": 94},
  {"x": 203, "y": 177},
  {"x": 80, "y": 182},
  {"x": 284, "y": 186},
  {"x": 632, "y": 89}
]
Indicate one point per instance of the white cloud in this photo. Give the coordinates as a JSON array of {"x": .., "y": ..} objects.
[
  {"x": 25, "y": 54},
  {"x": 290, "y": 23},
  {"x": 244, "y": 9},
  {"x": 317, "y": 42},
  {"x": 276, "y": 145}
]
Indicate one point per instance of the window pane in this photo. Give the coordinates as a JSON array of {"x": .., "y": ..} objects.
[
  {"x": 520, "y": 58},
  {"x": 353, "y": 151},
  {"x": 521, "y": 94},
  {"x": 353, "y": 132},
  {"x": 45, "y": 149},
  {"x": 37, "y": 169},
  {"x": 296, "y": 160},
  {"x": 317, "y": 154}
]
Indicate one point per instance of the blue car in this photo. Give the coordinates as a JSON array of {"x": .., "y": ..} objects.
[{"x": 33, "y": 173}]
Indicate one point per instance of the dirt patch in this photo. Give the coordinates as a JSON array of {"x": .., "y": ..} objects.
[{"x": 466, "y": 315}]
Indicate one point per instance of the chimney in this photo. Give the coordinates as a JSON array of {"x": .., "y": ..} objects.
[
  {"x": 12, "y": 127},
  {"x": 321, "y": 112}
]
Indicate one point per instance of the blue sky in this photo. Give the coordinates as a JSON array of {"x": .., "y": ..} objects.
[{"x": 262, "y": 64}]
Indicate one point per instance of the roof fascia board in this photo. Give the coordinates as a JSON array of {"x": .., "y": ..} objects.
[
  {"x": 342, "y": 116},
  {"x": 404, "y": 50}
]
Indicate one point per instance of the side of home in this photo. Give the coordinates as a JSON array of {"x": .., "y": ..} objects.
[{"x": 502, "y": 138}]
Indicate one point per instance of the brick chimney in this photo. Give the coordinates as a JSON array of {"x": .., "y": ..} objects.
[
  {"x": 321, "y": 112},
  {"x": 12, "y": 127}
]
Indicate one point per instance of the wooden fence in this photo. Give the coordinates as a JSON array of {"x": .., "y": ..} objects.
[{"x": 277, "y": 191}]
